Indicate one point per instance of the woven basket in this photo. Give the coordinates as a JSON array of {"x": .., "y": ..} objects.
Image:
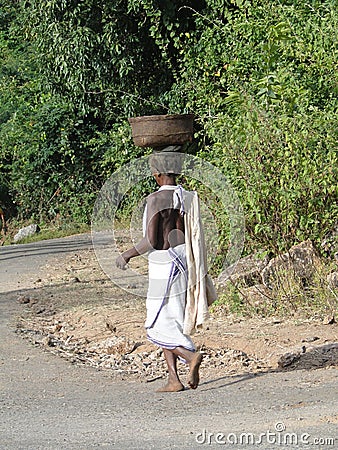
[{"x": 159, "y": 131}]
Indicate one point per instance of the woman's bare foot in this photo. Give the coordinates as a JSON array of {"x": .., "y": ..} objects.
[
  {"x": 171, "y": 386},
  {"x": 194, "y": 366}
]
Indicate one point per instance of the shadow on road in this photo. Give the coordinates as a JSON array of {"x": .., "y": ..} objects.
[
  {"x": 47, "y": 247},
  {"x": 317, "y": 357}
]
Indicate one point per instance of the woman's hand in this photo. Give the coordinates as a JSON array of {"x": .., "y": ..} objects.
[{"x": 121, "y": 262}]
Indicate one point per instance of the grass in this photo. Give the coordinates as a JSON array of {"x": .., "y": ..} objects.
[
  {"x": 53, "y": 231},
  {"x": 47, "y": 231},
  {"x": 289, "y": 297}
]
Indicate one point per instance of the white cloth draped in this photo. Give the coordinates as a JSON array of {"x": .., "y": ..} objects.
[
  {"x": 166, "y": 298},
  {"x": 178, "y": 294}
]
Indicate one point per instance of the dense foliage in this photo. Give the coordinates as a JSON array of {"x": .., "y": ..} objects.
[{"x": 259, "y": 75}]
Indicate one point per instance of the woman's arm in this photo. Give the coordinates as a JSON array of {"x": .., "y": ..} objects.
[{"x": 150, "y": 239}]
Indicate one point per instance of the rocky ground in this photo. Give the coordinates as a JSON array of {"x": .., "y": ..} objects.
[{"x": 77, "y": 312}]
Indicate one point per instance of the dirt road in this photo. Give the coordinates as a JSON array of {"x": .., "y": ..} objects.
[{"x": 49, "y": 403}]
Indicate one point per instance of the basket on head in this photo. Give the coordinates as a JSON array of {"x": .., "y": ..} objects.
[{"x": 162, "y": 130}]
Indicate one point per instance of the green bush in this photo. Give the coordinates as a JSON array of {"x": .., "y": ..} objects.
[
  {"x": 261, "y": 78},
  {"x": 259, "y": 75}
]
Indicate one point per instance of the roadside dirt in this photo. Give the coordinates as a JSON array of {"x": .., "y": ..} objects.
[{"x": 77, "y": 312}]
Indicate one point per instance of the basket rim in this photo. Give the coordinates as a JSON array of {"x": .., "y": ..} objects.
[{"x": 159, "y": 117}]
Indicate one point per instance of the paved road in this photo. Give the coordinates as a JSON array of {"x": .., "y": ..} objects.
[{"x": 48, "y": 403}]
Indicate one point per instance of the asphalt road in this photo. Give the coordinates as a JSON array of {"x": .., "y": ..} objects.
[{"x": 48, "y": 403}]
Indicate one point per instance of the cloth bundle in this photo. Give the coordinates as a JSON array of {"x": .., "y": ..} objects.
[{"x": 167, "y": 161}]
